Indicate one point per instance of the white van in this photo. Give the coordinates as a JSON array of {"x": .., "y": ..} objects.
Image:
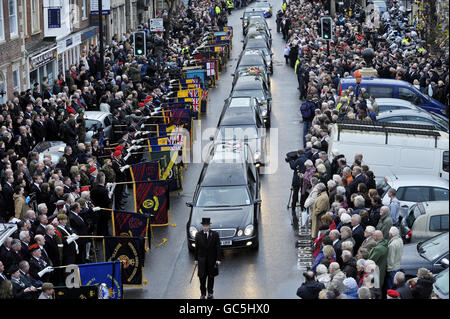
[{"x": 392, "y": 148}]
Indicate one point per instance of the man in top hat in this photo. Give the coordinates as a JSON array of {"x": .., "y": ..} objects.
[{"x": 207, "y": 256}]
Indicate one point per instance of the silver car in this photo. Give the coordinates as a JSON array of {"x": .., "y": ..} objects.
[
  {"x": 97, "y": 121},
  {"x": 414, "y": 117}
]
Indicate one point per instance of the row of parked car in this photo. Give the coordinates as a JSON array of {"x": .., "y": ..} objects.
[
  {"x": 407, "y": 147},
  {"x": 228, "y": 190}
]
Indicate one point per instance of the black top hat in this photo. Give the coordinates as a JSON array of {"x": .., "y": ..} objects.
[{"x": 206, "y": 221}]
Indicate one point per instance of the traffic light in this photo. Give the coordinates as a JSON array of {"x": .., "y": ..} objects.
[
  {"x": 326, "y": 27},
  {"x": 140, "y": 43}
]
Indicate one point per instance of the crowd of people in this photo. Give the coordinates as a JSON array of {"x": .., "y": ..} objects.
[
  {"x": 55, "y": 204},
  {"x": 357, "y": 246},
  {"x": 319, "y": 70}
]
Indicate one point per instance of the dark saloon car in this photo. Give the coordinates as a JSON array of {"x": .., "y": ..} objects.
[
  {"x": 256, "y": 87},
  {"x": 227, "y": 192},
  {"x": 258, "y": 29},
  {"x": 248, "y": 13},
  {"x": 258, "y": 43},
  {"x": 431, "y": 254},
  {"x": 244, "y": 124},
  {"x": 253, "y": 59}
]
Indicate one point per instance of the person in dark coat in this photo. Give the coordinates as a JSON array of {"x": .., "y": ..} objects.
[
  {"x": 100, "y": 198},
  {"x": 20, "y": 289},
  {"x": 424, "y": 285},
  {"x": 38, "y": 266},
  {"x": 357, "y": 232},
  {"x": 51, "y": 127},
  {"x": 80, "y": 227},
  {"x": 310, "y": 288},
  {"x": 401, "y": 286},
  {"x": 70, "y": 246},
  {"x": 349, "y": 265},
  {"x": 207, "y": 256}
]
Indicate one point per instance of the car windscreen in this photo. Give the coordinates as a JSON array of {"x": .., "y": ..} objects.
[
  {"x": 441, "y": 282},
  {"x": 383, "y": 187},
  {"x": 90, "y": 124},
  {"x": 441, "y": 121},
  {"x": 259, "y": 94},
  {"x": 239, "y": 133},
  {"x": 240, "y": 102},
  {"x": 434, "y": 247},
  {"x": 223, "y": 196}
]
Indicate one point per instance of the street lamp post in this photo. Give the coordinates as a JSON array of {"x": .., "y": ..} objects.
[{"x": 100, "y": 27}]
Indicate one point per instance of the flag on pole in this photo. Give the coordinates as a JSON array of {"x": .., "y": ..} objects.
[
  {"x": 152, "y": 199},
  {"x": 108, "y": 273},
  {"x": 130, "y": 252}
]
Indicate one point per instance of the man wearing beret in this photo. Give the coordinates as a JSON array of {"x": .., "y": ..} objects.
[{"x": 39, "y": 269}]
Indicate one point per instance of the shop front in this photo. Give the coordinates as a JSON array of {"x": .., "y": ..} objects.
[{"x": 42, "y": 65}]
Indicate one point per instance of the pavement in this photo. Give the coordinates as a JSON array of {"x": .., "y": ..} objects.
[{"x": 271, "y": 272}]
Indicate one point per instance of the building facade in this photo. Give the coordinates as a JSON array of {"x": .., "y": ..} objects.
[{"x": 11, "y": 49}]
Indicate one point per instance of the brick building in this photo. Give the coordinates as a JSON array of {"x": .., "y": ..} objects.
[{"x": 11, "y": 48}]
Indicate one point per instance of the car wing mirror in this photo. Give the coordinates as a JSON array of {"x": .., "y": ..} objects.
[
  {"x": 211, "y": 138},
  {"x": 444, "y": 262},
  {"x": 258, "y": 201},
  {"x": 190, "y": 204}
]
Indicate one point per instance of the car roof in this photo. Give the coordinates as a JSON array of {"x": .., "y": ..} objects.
[
  {"x": 248, "y": 82},
  {"x": 251, "y": 59},
  {"x": 391, "y": 101},
  {"x": 227, "y": 152},
  {"x": 253, "y": 10},
  {"x": 224, "y": 174},
  {"x": 95, "y": 115},
  {"x": 436, "y": 207},
  {"x": 403, "y": 112},
  {"x": 377, "y": 81},
  {"x": 416, "y": 180},
  {"x": 235, "y": 116},
  {"x": 245, "y": 101},
  {"x": 256, "y": 43}
]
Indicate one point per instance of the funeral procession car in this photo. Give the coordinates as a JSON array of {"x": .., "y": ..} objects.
[
  {"x": 258, "y": 29},
  {"x": 252, "y": 62},
  {"x": 228, "y": 192},
  {"x": 265, "y": 6},
  {"x": 242, "y": 101},
  {"x": 246, "y": 125},
  {"x": 259, "y": 43},
  {"x": 256, "y": 87},
  {"x": 246, "y": 18}
]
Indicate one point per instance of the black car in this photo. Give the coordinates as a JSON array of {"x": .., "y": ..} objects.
[
  {"x": 243, "y": 101},
  {"x": 228, "y": 193},
  {"x": 265, "y": 6},
  {"x": 246, "y": 17},
  {"x": 244, "y": 124},
  {"x": 256, "y": 87},
  {"x": 252, "y": 58},
  {"x": 259, "y": 43},
  {"x": 254, "y": 30},
  {"x": 429, "y": 254}
]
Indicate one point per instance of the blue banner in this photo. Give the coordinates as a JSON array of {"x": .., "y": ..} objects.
[{"x": 108, "y": 273}]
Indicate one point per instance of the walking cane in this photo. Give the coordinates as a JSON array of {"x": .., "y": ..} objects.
[
  {"x": 193, "y": 272},
  {"x": 289, "y": 200}
]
